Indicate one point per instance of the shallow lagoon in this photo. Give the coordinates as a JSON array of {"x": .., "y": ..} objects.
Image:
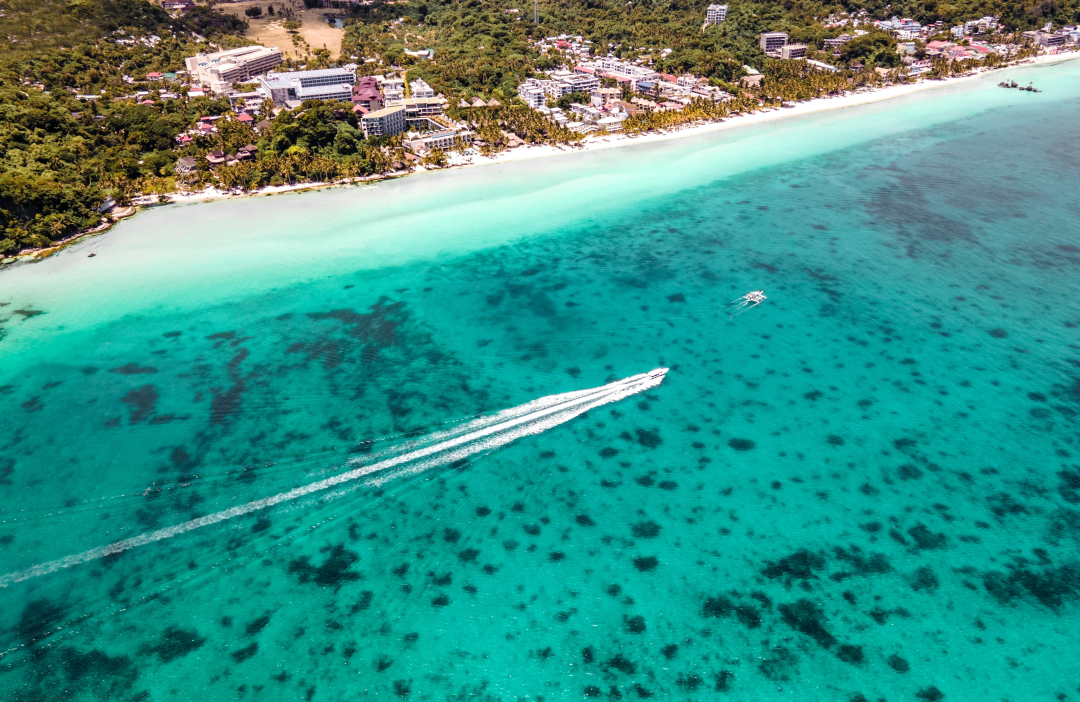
[{"x": 866, "y": 486}]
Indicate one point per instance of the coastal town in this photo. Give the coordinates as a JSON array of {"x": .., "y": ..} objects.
[
  {"x": 587, "y": 94},
  {"x": 262, "y": 118}
]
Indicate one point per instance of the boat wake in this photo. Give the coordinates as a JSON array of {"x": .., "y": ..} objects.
[{"x": 416, "y": 456}]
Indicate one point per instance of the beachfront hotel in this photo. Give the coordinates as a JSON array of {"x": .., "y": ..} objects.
[
  {"x": 221, "y": 69},
  {"x": 444, "y": 140},
  {"x": 532, "y": 93},
  {"x": 385, "y": 122},
  {"x": 324, "y": 84}
]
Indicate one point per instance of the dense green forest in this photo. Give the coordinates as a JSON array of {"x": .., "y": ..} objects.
[{"x": 60, "y": 156}]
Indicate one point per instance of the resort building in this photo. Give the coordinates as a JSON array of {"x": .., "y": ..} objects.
[
  {"x": 444, "y": 140},
  {"x": 792, "y": 51},
  {"x": 611, "y": 124},
  {"x": 715, "y": 14},
  {"x": 385, "y": 122},
  {"x": 1046, "y": 39},
  {"x": 772, "y": 42},
  {"x": 420, "y": 89},
  {"x": 325, "y": 84},
  {"x": 535, "y": 91},
  {"x": 185, "y": 165},
  {"x": 586, "y": 112},
  {"x": 416, "y": 107},
  {"x": 366, "y": 96},
  {"x": 601, "y": 97},
  {"x": 392, "y": 89},
  {"x": 532, "y": 93},
  {"x": 221, "y": 69},
  {"x": 837, "y": 42},
  {"x": 573, "y": 82},
  {"x": 624, "y": 72}
]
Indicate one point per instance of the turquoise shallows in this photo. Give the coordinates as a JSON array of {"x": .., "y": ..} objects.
[{"x": 866, "y": 487}]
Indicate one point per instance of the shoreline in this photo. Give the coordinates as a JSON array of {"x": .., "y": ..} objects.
[
  {"x": 811, "y": 106},
  {"x": 528, "y": 152}
]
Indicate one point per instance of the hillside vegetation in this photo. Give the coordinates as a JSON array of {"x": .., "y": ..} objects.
[{"x": 56, "y": 157}]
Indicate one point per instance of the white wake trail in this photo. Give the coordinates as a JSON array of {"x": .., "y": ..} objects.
[
  {"x": 483, "y": 434},
  {"x": 537, "y": 423}
]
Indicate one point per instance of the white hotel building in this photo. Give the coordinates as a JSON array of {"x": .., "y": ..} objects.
[
  {"x": 220, "y": 70},
  {"x": 536, "y": 91},
  {"x": 325, "y": 84},
  {"x": 716, "y": 14}
]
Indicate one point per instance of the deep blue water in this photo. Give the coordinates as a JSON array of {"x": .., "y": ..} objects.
[{"x": 868, "y": 485}]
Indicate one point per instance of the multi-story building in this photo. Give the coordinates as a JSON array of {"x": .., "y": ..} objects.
[
  {"x": 773, "y": 41},
  {"x": 444, "y": 140},
  {"x": 837, "y": 42},
  {"x": 555, "y": 89},
  {"x": 793, "y": 51},
  {"x": 392, "y": 88},
  {"x": 535, "y": 91},
  {"x": 715, "y": 14},
  {"x": 574, "y": 82},
  {"x": 919, "y": 67},
  {"x": 586, "y": 112},
  {"x": 416, "y": 107},
  {"x": 623, "y": 69},
  {"x": 385, "y": 122},
  {"x": 220, "y": 70},
  {"x": 420, "y": 89},
  {"x": 611, "y": 124},
  {"x": 1047, "y": 39},
  {"x": 326, "y": 84},
  {"x": 366, "y": 95},
  {"x": 532, "y": 93},
  {"x": 601, "y": 97}
]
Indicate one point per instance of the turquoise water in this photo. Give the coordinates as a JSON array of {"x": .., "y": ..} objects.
[{"x": 867, "y": 486}]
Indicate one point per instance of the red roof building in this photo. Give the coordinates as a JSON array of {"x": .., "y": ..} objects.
[{"x": 366, "y": 95}]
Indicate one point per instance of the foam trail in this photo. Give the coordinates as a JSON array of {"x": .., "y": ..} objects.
[
  {"x": 483, "y": 434},
  {"x": 548, "y": 402},
  {"x": 521, "y": 428}
]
